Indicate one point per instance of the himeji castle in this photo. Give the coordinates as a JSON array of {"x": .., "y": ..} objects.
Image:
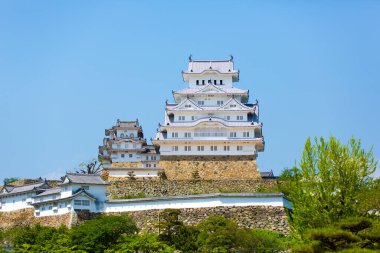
[{"x": 211, "y": 129}]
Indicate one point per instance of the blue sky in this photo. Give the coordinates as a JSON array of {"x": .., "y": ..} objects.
[{"x": 69, "y": 69}]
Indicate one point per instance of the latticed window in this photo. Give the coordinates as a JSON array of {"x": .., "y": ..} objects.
[{"x": 210, "y": 132}]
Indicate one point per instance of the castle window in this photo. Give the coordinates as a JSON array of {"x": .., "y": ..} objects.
[
  {"x": 154, "y": 165},
  {"x": 187, "y": 106},
  {"x": 192, "y": 117},
  {"x": 239, "y": 117},
  {"x": 228, "y": 118},
  {"x": 214, "y": 148},
  {"x": 174, "y": 135},
  {"x": 219, "y": 103},
  {"x": 232, "y": 105},
  {"x": 215, "y": 82},
  {"x": 232, "y": 134},
  {"x": 245, "y": 134},
  {"x": 203, "y": 82},
  {"x": 130, "y": 155},
  {"x": 187, "y": 148},
  {"x": 201, "y": 148},
  {"x": 174, "y": 148},
  {"x": 187, "y": 135},
  {"x": 226, "y": 148},
  {"x": 221, "y": 82},
  {"x": 181, "y": 118},
  {"x": 122, "y": 155},
  {"x": 201, "y": 102},
  {"x": 239, "y": 148},
  {"x": 197, "y": 82}
]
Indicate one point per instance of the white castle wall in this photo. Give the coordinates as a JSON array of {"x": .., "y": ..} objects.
[{"x": 195, "y": 201}]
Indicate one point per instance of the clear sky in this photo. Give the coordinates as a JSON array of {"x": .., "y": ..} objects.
[{"x": 70, "y": 69}]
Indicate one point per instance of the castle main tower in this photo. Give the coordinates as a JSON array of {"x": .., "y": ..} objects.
[{"x": 211, "y": 129}]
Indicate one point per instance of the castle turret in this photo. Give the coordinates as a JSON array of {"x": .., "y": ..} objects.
[{"x": 125, "y": 152}]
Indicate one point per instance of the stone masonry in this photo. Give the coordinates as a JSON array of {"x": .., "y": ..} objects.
[
  {"x": 252, "y": 217},
  {"x": 26, "y": 217},
  {"x": 159, "y": 188},
  {"x": 210, "y": 167}
]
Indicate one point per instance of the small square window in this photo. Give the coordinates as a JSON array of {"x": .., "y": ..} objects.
[
  {"x": 130, "y": 155},
  {"x": 122, "y": 155}
]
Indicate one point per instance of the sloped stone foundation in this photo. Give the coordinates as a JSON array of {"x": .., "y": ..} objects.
[{"x": 210, "y": 167}]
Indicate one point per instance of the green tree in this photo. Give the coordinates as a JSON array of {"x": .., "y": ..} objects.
[
  {"x": 369, "y": 199},
  {"x": 99, "y": 234},
  {"x": 169, "y": 225},
  {"x": 93, "y": 167},
  {"x": 144, "y": 243},
  {"x": 10, "y": 180},
  {"x": 217, "y": 234},
  {"x": 328, "y": 181}
]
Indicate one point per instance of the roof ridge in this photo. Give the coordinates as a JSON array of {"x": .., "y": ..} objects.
[
  {"x": 211, "y": 60},
  {"x": 81, "y": 174}
]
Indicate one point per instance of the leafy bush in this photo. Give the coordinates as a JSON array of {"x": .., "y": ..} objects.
[
  {"x": 333, "y": 239},
  {"x": 100, "y": 233},
  {"x": 355, "y": 224},
  {"x": 146, "y": 243}
]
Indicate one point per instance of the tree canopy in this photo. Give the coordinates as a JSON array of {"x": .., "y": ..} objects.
[{"x": 326, "y": 185}]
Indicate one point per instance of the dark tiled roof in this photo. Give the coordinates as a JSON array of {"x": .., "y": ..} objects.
[
  {"x": 49, "y": 192},
  {"x": 76, "y": 178},
  {"x": 24, "y": 188},
  {"x": 80, "y": 191},
  {"x": 267, "y": 174}
]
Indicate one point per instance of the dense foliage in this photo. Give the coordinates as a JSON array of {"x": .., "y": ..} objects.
[
  {"x": 336, "y": 202},
  {"x": 327, "y": 185},
  {"x": 117, "y": 234}
]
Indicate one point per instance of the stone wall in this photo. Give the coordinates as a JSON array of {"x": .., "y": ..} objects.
[
  {"x": 159, "y": 188},
  {"x": 25, "y": 217},
  {"x": 259, "y": 217},
  {"x": 210, "y": 167}
]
